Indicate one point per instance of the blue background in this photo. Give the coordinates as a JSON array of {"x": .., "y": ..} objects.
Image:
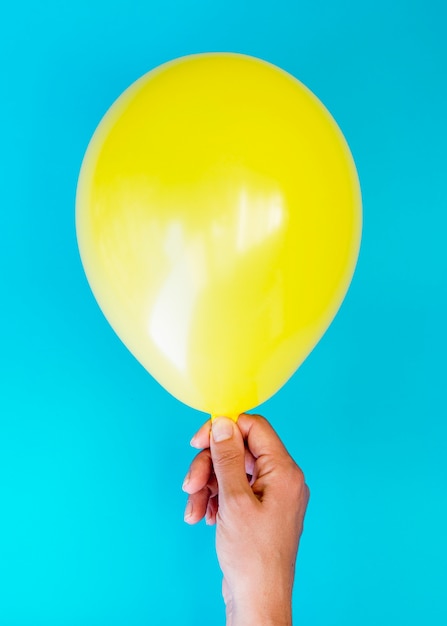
[{"x": 93, "y": 451}]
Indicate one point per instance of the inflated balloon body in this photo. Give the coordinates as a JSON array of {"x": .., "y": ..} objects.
[{"x": 219, "y": 223}]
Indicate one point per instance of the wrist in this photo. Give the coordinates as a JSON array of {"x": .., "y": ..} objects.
[
  {"x": 266, "y": 607},
  {"x": 261, "y": 616}
]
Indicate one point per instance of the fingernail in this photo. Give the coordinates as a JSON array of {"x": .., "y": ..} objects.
[
  {"x": 222, "y": 428},
  {"x": 188, "y": 510},
  {"x": 192, "y": 443},
  {"x": 186, "y": 481}
]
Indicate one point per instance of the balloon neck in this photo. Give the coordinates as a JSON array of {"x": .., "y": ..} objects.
[{"x": 233, "y": 416}]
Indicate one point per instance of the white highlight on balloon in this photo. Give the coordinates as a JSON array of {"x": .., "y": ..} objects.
[
  {"x": 259, "y": 217},
  {"x": 169, "y": 325}
]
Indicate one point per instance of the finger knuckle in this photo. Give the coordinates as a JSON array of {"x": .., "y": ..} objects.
[
  {"x": 227, "y": 459},
  {"x": 296, "y": 476},
  {"x": 307, "y": 492}
]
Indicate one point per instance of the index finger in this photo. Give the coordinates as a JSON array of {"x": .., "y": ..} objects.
[{"x": 261, "y": 437}]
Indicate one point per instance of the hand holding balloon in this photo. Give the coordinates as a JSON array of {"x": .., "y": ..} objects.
[
  {"x": 218, "y": 220},
  {"x": 259, "y": 521}
]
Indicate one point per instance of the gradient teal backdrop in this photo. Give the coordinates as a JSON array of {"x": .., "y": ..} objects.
[{"x": 93, "y": 451}]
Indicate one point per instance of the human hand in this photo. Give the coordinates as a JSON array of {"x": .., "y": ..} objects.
[{"x": 246, "y": 483}]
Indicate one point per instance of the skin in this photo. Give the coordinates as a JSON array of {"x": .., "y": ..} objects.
[{"x": 244, "y": 481}]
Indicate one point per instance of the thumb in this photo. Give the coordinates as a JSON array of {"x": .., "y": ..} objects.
[{"x": 228, "y": 455}]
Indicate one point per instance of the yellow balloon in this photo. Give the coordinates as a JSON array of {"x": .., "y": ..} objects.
[{"x": 219, "y": 223}]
